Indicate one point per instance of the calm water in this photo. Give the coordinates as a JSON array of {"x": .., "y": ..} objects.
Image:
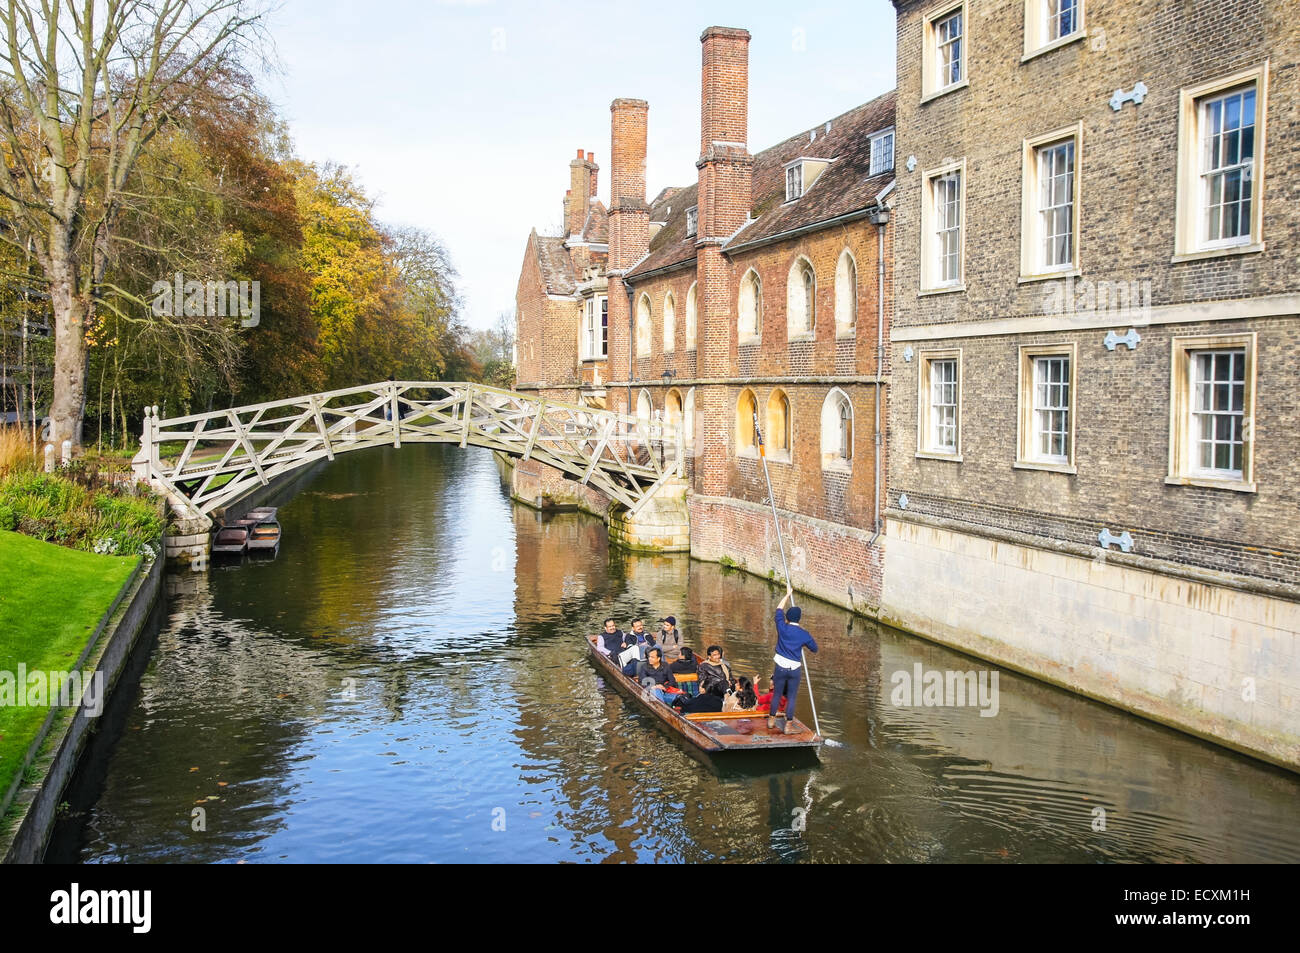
[{"x": 407, "y": 678}]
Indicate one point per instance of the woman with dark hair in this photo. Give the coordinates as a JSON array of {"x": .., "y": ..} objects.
[{"x": 742, "y": 696}]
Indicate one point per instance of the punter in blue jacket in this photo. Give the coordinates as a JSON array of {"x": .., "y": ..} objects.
[{"x": 791, "y": 638}]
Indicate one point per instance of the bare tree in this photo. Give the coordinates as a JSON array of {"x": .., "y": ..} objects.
[{"x": 84, "y": 87}]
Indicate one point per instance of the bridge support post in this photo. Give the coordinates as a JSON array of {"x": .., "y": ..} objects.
[{"x": 660, "y": 524}]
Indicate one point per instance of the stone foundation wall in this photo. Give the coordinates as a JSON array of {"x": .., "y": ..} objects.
[
  {"x": 541, "y": 487},
  {"x": 1211, "y": 660}
]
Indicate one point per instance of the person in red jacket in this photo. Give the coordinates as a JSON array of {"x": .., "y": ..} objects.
[{"x": 765, "y": 698}]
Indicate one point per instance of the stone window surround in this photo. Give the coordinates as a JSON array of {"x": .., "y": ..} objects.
[
  {"x": 794, "y": 287},
  {"x": 1180, "y": 421},
  {"x": 692, "y": 315},
  {"x": 930, "y": 88},
  {"x": 1026, "y": 453},
  {"x": 929, "y": 246},
  {"x": 755, "y": 336},
  {"x": 1035, "y": 42},
  {"x": 1030, "y": 232},
  {"x": 924, "y": 449},
  {"x": 644, "y": 325},
  {"x": 832, "y": 455},
  {"x": 846, "y": 329},
  {"x": 1188, "y": 245},
  {"x": 670, "y": 322}
]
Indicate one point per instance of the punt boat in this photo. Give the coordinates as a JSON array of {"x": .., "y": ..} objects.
[
  {"x": 711, "y": 732},
  {"x": 264, "y": 537},
  {"x": 232, "y": 538}
]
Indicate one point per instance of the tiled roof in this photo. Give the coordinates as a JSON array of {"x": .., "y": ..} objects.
[
  {"x": 556, "y": 265},
  {"x": 596, "y": 228},
  {"x": 843, "y": 186},
  {"x": 670, "y": 246}
]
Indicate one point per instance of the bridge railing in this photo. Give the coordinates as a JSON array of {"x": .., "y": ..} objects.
[{"x": 205, "y": 461}]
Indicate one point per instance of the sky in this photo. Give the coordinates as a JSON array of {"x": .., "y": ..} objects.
[{"x": 461, "y": 116}]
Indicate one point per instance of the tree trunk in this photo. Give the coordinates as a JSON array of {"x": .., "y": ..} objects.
[{"x": 69, "y": 349}]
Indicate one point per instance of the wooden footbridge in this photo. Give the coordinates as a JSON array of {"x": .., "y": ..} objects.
[{"x": 203, "y": 462}]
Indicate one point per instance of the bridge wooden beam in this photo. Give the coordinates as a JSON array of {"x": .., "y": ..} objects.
[
  {"x": 321, "y": 428},
  {"x": 469, "y": 413},
  {"x": 537, "y": 428},
  {"x": 248, "y": 444}
]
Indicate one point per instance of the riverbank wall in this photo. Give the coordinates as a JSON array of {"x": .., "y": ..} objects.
[
  {"x": 26, "y": 821},
  {"x": 1206, "y": 656}
]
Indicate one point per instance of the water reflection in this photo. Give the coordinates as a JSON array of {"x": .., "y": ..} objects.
[{"x": 406, "y": 682}]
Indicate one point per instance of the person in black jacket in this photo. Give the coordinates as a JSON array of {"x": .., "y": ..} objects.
[
  {"x": 709, "y": 699},
  {"x": 715, "y": 669},
  {"x": 653, "y": 674}
]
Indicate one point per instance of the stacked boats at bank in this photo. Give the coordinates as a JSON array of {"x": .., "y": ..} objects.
[{"x": 257, "y": 532}]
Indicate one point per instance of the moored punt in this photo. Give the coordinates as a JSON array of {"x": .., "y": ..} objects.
[
  {"x": 709, "y": 731},
  {"x": 231, "y": 540},
  {"x": 262, "y": 514},
  {"x": 265, "y": 536}
]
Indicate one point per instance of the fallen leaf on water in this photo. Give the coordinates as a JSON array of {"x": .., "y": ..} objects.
[
  {"x": 645, "y": 762},
  {"x": 222, "y": 784},
  {"x": 193, "y": 769},
  {"x": 212, "y": 797}
]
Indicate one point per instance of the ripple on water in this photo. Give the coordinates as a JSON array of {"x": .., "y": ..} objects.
[{"x": 404, "y": 683}]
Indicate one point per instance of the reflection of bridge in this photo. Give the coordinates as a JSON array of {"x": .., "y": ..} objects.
[{"x": 206, "y": 461}]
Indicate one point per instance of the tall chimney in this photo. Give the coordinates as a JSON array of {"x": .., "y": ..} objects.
[
  {"x": 726, "y": 167},
  {"x": 595, "y": 171},
  {"x": 581, "y": 171},
  {"x": 724, "y": 197},
  {"x": 629, "y": 232}
]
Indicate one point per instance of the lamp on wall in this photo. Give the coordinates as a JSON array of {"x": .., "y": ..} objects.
[{"x": 668, "y": 375}]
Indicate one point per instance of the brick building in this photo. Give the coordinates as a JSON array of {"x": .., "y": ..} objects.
[
  {"x": 561, "y": 327},
  {"x": 757, "y": 288},
  {"x": 1094, "y": 351}
]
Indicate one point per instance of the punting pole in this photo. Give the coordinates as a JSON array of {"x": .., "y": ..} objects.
[{"x": 762, "y": 452}]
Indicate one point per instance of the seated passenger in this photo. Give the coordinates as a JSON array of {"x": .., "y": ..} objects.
[
  {"x": 686, "y": 666},
  {"x": 710, "y": 700},
  {"x": 741, "y": 697},
  {"x": 670, "y": 640},
  {"x": 653, "y": 674},
  {"x": 611, "y": 640},
  {"x": 642, "y": 640},
  {"x": 715, "y": 669}
]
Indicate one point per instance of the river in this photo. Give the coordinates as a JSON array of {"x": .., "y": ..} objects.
[{"x": 406, "y": 682}]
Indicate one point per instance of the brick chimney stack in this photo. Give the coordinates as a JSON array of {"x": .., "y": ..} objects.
[
  {"x": 595, "y": 171},
  {"x": 582, "y": 177},
  {"x": 629, "y": 228},
  {"x": 726, "y": 167},
  {"x": 725, "y": 197}
]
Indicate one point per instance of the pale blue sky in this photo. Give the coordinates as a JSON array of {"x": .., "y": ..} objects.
[{"x": 461, "y": 116}]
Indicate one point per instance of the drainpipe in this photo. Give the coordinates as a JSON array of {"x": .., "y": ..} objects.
[
  {"x": 880, "y": 353},
  {"x": 627, "y": 288}
]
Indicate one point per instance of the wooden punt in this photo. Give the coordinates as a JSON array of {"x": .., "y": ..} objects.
[
  {"x": 231, "y": 539},
  {"x": 711, "y": 732},
  {"x": 264, "y": 537},
  {"x": 263, "y": 514}
]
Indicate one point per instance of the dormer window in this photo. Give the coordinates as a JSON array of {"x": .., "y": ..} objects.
[
  {"x": 882, "y": 152},
  {"x": 794, "y": 182},
  {"x": 800, "y": 174},
  {"x": 692, "y": 220}
]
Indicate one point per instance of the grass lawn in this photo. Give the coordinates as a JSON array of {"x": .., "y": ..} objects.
[{"x": 51, "y": 599}]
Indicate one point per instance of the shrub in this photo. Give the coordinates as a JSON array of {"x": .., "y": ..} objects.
[{"x": 73, "y": 510}]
